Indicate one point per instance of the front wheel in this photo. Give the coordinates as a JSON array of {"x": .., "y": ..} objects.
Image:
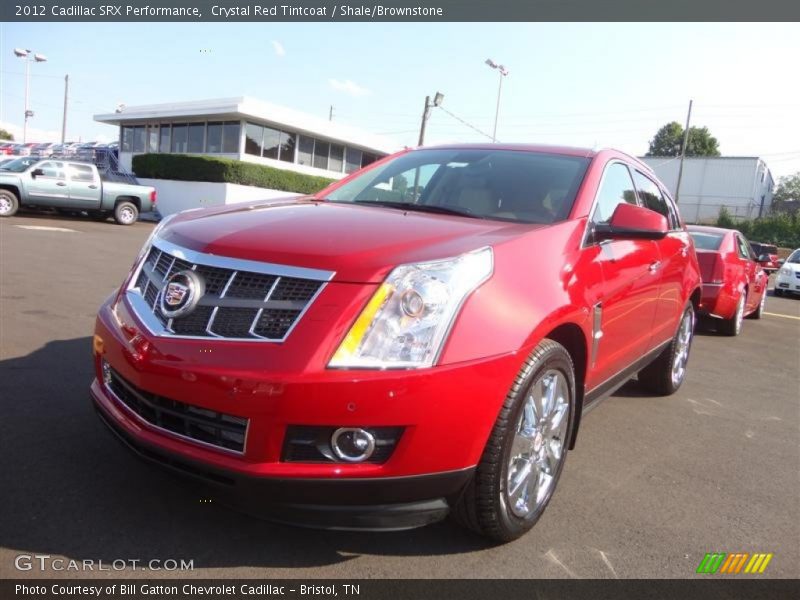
[
  {"x": 9, "y": 203},
  {"x": 126, "y": 213},
  {"x": 525, "y": 454},
  {"x": 666, "y": 373}
]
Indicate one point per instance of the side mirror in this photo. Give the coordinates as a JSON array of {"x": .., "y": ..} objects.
[
  {"x": 36, "y": 173},
  {"x": 632, "y": 222}
]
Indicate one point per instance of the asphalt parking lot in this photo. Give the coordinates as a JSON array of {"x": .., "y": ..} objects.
[{"x": 653, "y": 485}]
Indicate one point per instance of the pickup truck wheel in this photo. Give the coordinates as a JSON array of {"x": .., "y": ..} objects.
[
  {"x": 9, "y": 203},
  {"x": 525, "y": 454},
  {"x": 666, "y": 373},
  {"x": 733, "y": 326},
  {"x": 126, "y": 213}
]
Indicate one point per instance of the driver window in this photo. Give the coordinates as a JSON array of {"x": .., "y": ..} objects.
[
  {"x": 53, "y": 170},
  {"x": 615, "y": 189}
]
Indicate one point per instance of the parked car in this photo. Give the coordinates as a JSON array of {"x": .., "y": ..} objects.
[
  {"x": 24, "y": 149},
  {"x": 7, "y": 148},
  {"x": 788, "y": 280},
  {"x": 43, "y": 150},
  {"x": 766, "y": 256},
  {"x": 71, "y": 186},
  {"x": 734, "y": 283},
  {"x": 87, "y": 150},
  {"x": 372, "y": 358}
]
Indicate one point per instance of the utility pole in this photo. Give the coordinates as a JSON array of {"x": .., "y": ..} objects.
[
  {"x": 64, "y": 118},
  {"x": 330, "y": 113},
  {"x": 683, "y": 153},
  {"x": 425, "y": 114}
]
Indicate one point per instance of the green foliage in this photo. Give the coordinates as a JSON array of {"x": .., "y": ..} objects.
[
  {"x": 786, "y": 198},
  {"x": 669, "y": 139},
  {"x": 6, "y": 135},
  {"x": 779, "y": 229},
  {"x": 184, "y": 167},
  {"x": 725, "y": 219}
]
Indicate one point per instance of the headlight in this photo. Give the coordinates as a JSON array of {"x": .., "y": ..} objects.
[
  {"x": 786, "y": 271},
  {"x": 153, "y": 234},
  {"x": 407, "y": 320}
]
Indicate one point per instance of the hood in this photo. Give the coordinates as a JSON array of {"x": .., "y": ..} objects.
[{"x": 360, "y": 244}]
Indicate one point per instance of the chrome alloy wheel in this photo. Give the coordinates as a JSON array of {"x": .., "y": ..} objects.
[
  {"x": 739, "y": 314},
  {"x": 539, "y": 443},
  {"x": 5, "y": 205},
  {"x": 682, "y": 346}
]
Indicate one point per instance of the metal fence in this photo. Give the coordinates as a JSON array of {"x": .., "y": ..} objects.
[{"x": 701, "y": 213}]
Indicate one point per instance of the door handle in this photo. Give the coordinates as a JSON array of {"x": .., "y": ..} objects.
[
  {"x": 93, "y": 187},
  {"x": 60, "y": 183},
  {"x": 655, "y": 266}
]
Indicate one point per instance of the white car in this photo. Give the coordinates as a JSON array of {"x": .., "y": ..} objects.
[{"x": 788, "y": 279}]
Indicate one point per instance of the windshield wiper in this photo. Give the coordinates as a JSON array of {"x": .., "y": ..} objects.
[{"x": 442, "y": 210}]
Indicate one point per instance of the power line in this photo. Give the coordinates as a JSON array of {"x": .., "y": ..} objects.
[{"x": 460, "y": 120}]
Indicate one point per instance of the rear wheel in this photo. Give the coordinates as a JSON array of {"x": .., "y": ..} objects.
[
  {"x": 9, "y": 203},
  {"x": 733, "y": 326},
  {"x": 525, "y": 454},
  {"x": 666, "y": 373},
  {"x": 126, "y": 213},
  {"x": 756, "y": 314}
]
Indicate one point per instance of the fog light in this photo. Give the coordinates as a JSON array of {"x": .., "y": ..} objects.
[
  {"x": 352, "y": 444},
  {"x": 105, "y": 368}
]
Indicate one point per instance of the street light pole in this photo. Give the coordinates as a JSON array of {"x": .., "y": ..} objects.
[
  {"x": 28, "y": 56},
  {"x": 503, "y": 73}
]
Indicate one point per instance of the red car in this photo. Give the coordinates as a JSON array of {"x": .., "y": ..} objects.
[
  {"x": 734, "y": 284},
  {"x": 422, "y": 336},
  {"x": 767, "y": 256}
]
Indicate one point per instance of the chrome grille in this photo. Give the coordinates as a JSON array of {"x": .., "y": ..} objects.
[{"x": 243, "y": 300}]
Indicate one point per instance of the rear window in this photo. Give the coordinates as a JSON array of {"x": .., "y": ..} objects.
[{"x": 706, "y": 241}]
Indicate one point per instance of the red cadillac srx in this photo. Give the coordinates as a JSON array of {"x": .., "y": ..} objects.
[{"x": 420, "y": 338}]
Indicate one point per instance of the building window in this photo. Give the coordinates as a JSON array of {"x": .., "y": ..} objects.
[
  {"x": 163, "y": 138},
  {"x": 179, "y": 137},
  {"x": 288, "y": 141},
  {"x": 321, "y": 150},
  {"x": 336, "y": 161},
  {"x": 214, "y": 138},
  {"x": 252, "y": 141},
  {"x": 196, "y": 137},
  {"x": 127, "y": 139},
  {"x": 368, "y": 159},
  {"x": 230, "y": 137},
  {"x": 138, "y": 138},
  {"x": 305, "y": 154},
  {"x": 353, "y": 163},
  {"x": 152, "y": 138},
  {"x": 272, "y": 142}
]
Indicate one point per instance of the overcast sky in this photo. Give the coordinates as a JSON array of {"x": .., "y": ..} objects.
[{"x": 575, "y": 84}]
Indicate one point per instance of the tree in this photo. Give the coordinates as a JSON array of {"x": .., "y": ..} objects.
[
  {"x": 6, "y": 135},
  {"x": 669, "y": 139},
  {"x": 786, "y": 198}
]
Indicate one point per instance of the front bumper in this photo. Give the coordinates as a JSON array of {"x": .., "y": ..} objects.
[
  {"x": 446, "y": 414},
  {"x": 788, "y": 283}
]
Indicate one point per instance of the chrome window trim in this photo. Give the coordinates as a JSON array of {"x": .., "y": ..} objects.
[{"x": 146, "y": 315}]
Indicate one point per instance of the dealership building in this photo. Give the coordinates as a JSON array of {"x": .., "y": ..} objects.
[{"x": 246, "y": 129}]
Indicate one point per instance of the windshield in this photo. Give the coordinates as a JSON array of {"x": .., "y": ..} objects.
[
  {"x": 507, "y": 185},
  {"x": 794, "y": 257},
  {"x": 706, "y": 241},
  {"x": 18, "y": 165}
]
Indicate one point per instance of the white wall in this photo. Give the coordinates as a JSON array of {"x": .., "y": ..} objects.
[{"x": 175, "y": 196}]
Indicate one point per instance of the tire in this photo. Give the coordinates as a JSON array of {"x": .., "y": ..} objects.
[
  {"x": 9, "y": 203},
  {"x": 733, "y": 326},
  {"x": 758, "y": 312},
  {"x": 126, "y": 213},
  {"x": 527, "y": 437},
  {"x": 665, "y": 375}
]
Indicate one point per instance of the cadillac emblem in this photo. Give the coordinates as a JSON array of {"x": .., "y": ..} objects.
[{"x": 181, "y": 293}]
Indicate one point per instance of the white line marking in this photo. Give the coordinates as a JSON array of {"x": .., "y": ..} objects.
[
  {"x": 43, "y": 228},
  {"x": 780, "y": 315},
  {"x": 608, "y": 563},
  {"x": 551, "y": 555}
]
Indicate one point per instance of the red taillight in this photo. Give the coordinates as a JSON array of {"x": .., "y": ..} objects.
[
  {"x": 153, "y": 197},
  {"x": 718, "y": 270}
]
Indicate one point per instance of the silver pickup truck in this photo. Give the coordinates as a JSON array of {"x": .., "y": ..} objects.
[{"x": 70, "y": 186}]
